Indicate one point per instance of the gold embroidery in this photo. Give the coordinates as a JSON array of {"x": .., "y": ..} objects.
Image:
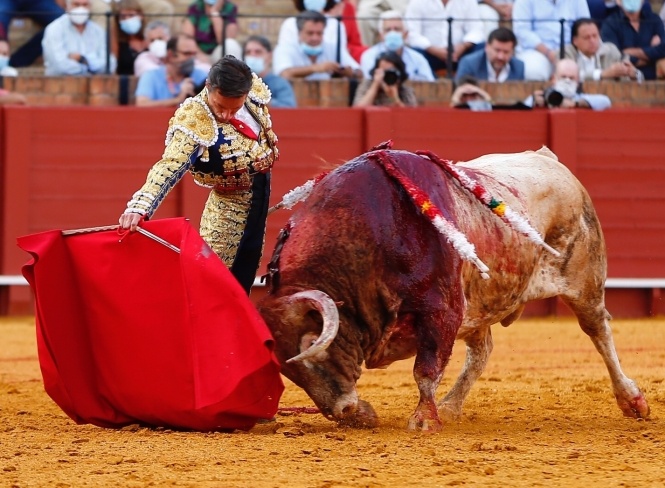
[{"x": 223, "y": 223}]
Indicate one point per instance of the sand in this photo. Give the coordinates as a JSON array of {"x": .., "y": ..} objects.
[{"x": 543, "y": 414}]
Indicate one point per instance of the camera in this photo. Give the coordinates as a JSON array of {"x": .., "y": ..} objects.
[
  {"x": 390, "y": 76},
  {"x": 553, "y": 98}
]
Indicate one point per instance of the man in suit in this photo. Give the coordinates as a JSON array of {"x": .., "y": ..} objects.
[{"x": 496, "y": 63}]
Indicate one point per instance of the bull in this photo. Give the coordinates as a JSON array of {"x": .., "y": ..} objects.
[{"x": 395, "y": 254}]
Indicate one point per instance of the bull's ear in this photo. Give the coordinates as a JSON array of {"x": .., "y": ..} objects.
[{"x": 307, "y": 341}]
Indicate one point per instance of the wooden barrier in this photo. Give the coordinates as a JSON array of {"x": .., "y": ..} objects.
[{"x": 70, "y": 167}]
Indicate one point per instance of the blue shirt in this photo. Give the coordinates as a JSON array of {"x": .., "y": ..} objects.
[
  {"x": 281, "y": 90},
  {"x": 153, "y": 84},
  {"x": 617, "y": 30},
  {"x": 537, "y": 21}
]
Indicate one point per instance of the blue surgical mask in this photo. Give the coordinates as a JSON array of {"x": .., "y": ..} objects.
[
  {"x": 632, "y": 6},
  {"x": 393, "y": 40},
  {"x": 131, "y": 25},
  {"x": 4, "y": 62},
  {"x": 211, "y": 2},
  {"x": 311, "y": 50},
  {"x": 316, "y": 5},
  {"x": 255, "y": 63}
]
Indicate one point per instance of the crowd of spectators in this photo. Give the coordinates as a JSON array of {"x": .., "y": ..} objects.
[{"x": 170, "y": 51}]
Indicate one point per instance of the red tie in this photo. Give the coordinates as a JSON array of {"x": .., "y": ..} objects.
[{"x": 243, "y": 128}]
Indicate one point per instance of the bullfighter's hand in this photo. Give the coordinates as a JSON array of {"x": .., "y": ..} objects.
[{"x": 130, "y": 221}]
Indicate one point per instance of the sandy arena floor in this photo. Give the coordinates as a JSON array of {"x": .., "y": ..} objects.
[{"x": 541, "y": 415}]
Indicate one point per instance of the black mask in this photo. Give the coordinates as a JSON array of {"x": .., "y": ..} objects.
[{"x": 186, "y": 68}]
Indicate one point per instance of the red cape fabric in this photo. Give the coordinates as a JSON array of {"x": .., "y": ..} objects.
[{"x": 130, "y": 331}]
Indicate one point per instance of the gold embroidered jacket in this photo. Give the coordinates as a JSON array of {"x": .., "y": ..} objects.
[{"x": 216, "y": 154}]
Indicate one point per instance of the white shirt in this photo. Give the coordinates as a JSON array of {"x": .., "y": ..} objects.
[
  {"x": 9, "y": 71},
  {"x": 428, "y": 23},
  {"x": 61, "y": 38},
  {"x": 288, "y": 32},
  {"x": 416, "y": 64},
  {"x": 290, "y": 55},
  {"x": 589, "y": 67},
  {"x": 503, "y": 74}
]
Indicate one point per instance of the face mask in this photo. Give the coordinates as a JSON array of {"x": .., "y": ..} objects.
[
  {"x": 316, "y": 5},
  {"x": 311, "y": 50},
  {"x": 632, "y": 6},
  {"x": 568, "y": 88},
  {"x": 4, "y": 62},
  {"x": 186, "y": 67},
  {"x": 131, "y": 25},
  {"x": 255, "y": 63},
  {"x": 211, "y": 2},
  {"x": 79, "y": 15},
  {"x": 393, "y": 40},
  {"x": 158, "y": 48}
]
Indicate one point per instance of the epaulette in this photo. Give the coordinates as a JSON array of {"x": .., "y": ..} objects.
[
  {"x": 259, "y": 93},
  {"x": 195, "y": 119}
]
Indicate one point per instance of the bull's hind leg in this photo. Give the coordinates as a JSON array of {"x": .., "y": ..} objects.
[
  {"x": 478, "y": 349},
  {"x": 594, "y": 321}
]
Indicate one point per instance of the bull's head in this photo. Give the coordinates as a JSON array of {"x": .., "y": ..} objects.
[{"x": 304, "y": 325}]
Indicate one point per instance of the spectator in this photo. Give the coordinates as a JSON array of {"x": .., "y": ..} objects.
[
  {"x": 386, "y": 88},
  {"x": 178, "y": 79},
  {"x": 468, "y": 94},
  {"x": 42, "y": 12},
  {"x": 333, "y": 32},
  {"x": 538, "y": 29},
  {"x": 258, "y": 56},
  {"x": 5, "y": 52},
  {"x": 312, "y": 58},
  {"x": 597, "y": 60},
  {"x": 565, "y": 91},
  {"x": 156, "y": 34},
  {"x": 74, "y": 45},
  {"x": 11, "y": 98},
  {"x": 494, "y": 12},
  {"x": 600, "y": 9},
  {"x": 640, "y": 36},
  {"x": 130, "y": 38},
  {"x": 206, "y": 21},
  {"x": 427, "y": 21},
  {"x": 393, "y": 36},
  {"x": 369, "y": 12},
  {"x": 496, "y": 62}
]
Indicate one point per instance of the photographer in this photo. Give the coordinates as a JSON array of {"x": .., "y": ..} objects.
[
  {"x": 169, "y": 85},
  {"x": 386, "y": 88},
  {"x": 565, "y": 91}
]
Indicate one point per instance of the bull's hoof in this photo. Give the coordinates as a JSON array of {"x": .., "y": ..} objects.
[
  {"x": 449, "y": 413},
  {"x": 636, "y": 407},
  {"x": 364, "y": 418},
  {"x": 424, "y": 423}
]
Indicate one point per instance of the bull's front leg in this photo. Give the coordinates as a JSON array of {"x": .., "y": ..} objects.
[
  {"x": 436, "y": 336},
  {"x": 478, "y": 348}
]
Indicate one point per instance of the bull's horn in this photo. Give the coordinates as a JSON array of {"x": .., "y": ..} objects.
[{"x": 328, "y": 310}]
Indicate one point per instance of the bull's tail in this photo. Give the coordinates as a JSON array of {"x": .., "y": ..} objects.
[
  {"x": 518, "y": 222},
  {"x": 446, "y": 228}
]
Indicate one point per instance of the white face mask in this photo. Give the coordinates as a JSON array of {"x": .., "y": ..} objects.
[
  {"x": 158, "y": 48},
  {"x": 79, "y": 15},
  {"x": 255, "y": 63},
  {"x": 568, "y": 88}
]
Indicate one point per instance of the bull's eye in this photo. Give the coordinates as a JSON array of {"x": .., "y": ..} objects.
[{"x": 307, "y": 340}]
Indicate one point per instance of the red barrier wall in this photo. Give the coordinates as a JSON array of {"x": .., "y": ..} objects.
[{"x": 72, "y": 167}]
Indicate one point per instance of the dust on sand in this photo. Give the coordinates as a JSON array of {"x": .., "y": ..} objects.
[{"x": 543, "y": 414}]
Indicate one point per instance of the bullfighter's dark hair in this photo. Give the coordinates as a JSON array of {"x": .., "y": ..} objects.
[
  {"x": 396, "y": 60},
  {"x": 307, "y": 16},
  {"x": 579, "y": 23},
  {"x": 502, "y": 34},
  {"x": 230, "y": 77}
]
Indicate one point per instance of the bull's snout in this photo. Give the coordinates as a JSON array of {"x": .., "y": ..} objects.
[{"x": 346, "y": 406}]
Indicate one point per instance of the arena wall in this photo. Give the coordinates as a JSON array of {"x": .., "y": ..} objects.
[{"x": 73, "y": 167}]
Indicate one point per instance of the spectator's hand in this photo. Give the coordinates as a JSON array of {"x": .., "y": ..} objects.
[
  {"x": 186, "y": 89},
  {"x": 539, "y": 98},
  {"x": 439, "y": 52},
  {"x": 75, "y": 56},
  {"x": 568, "y": 103},
  {"x": 458, "y": 51},
  {"x": 655, "y": 40},
  {"x": 326, "y": 67},
  {"x": 505, "y": 11},
  {"x": 378, "y": 76},
  {"x": 130, "y": 221}
]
